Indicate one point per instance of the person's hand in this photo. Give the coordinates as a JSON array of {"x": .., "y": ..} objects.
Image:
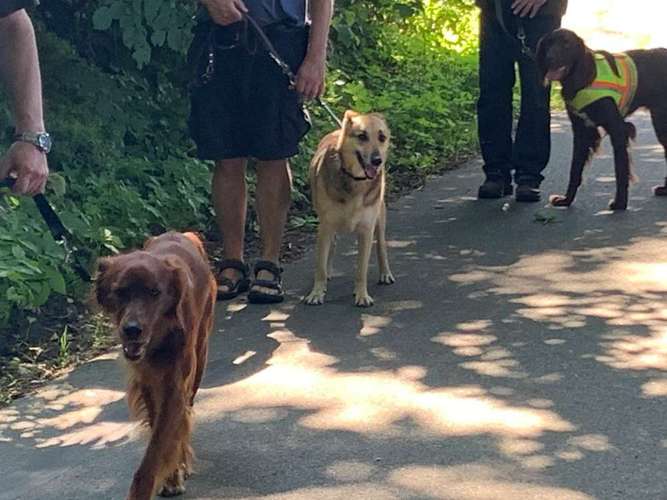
[
  {"x": 28, "y": 164},
  {"x": 224, "y": 12},
  {"x": 523, "y": 8},
  {"x": 310, "y": 77}
]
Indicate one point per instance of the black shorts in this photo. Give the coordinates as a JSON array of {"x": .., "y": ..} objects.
[{"x": 246, "y": 109}]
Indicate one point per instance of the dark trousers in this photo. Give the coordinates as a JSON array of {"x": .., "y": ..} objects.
[{"x": 528, "y": 153}]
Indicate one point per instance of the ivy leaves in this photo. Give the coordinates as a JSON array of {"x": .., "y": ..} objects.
[{"x": 147, "y": 24}]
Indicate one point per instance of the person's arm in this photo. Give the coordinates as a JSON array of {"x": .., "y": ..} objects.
[
  {"x": 19, "y": 71},
  {"x": 310, "y": 77}
]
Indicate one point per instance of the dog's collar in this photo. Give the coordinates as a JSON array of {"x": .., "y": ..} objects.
[{"x": 348, "y": 173}]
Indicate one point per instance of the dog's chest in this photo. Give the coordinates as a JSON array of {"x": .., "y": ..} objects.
[{"x": 352, "y": 216}]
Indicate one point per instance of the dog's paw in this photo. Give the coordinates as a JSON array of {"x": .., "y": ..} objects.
[
  {"x": 660, "y": 191},
  {"x": 315, "y": 298},
  {"x": 558, "y": 200},
  {"x": 618, "y": 205},
  {"x": 386, "y": 278},
  {"x": 174, "y": 485},
  {"x": 362, "y": 299}
]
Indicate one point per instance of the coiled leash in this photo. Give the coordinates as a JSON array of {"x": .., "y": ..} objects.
[
  {"x": 57, "y": 230},
  {"x": 273, "y": 53},
  {"x": 520, "y": 31}
]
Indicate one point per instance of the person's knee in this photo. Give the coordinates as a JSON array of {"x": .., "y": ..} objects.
[
  {"x": 275, "y": 173},
  {"x": 230, "y": 170}
]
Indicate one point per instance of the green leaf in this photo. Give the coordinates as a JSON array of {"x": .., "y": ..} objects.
[
  {"x": 18, "y": 252},
  {"x": 58, "y": 183},
  {"x": 158, "y": 38},
  {"x": 102, "y": 19},
  {"x": 151, "y": 10},
  {"x": 56, "y": 281}
]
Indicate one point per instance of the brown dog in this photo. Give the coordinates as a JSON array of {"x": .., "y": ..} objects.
[
  {"x": 347, "y": 180},
  {"x": 601, "y": 90},
  {"x": 161, "y": 298}
]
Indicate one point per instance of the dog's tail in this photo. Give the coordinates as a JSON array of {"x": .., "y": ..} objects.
[{"x": 631, "y": 131}]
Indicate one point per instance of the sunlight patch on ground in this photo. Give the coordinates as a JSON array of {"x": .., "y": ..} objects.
[
  {"x": 622, "y": 287},
  {"x": 475, "y": 482},
  {"x": 66, "y": 416},
  {"x": 374, "y": 402}
]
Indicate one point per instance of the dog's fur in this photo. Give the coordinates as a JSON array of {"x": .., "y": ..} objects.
[
  {"x": 161, "y": 299},
  {"x": 563, "y": 56},
  {"x": 347, "y": 180}
]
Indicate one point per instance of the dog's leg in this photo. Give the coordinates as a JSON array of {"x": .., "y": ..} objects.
[
  {"x": 659, "y": 118},
  {"x": 164, "y": 453},
  {"x": 325, "y": 236},
  {"x": 586, "y": 143},
  {"x": 330, "y": 259},
  {"x": 205, "y": 328},
  {"x": 386, "y": 277},
  {"x": 365, "y": 243},
  {"x": 620, "y": 142}
]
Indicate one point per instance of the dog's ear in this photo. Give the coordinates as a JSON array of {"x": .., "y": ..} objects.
[
  {"x": 345, "y": 128},
  {"x": 182, "y": 288},
  {"x": 540, "y": 60},
  {"x": 102, "y": 288}
]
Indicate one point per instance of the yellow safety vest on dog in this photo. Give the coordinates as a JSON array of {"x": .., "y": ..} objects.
[{"x": 621, "y": 88}]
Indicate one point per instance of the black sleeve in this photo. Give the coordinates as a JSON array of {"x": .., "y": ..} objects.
[{"x": 10, "y": 6}]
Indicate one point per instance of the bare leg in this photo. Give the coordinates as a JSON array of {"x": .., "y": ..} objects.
[
  {"x": 361, "y": 297},
  {"x": 386, "y": 277},
  {"x": 229, "y": 200},
  {"x": 274, "y": 185}
]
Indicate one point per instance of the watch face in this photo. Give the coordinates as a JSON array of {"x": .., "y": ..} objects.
[{"x": 45, "y": 142}]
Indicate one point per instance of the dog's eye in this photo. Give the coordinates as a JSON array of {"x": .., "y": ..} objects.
[
  {"x": 154, "y": 292},
  {"x": 382, "y": 137},
  {"x": 363, "y": 137},
  {"x": 123, "y": 293}
]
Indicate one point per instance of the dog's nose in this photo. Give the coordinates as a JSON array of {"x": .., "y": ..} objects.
[
  {"x": 376, "y": 160},
  {"x": 132, "y": 329}
]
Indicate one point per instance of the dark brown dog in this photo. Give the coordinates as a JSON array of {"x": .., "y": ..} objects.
[
  {"x": 563, "y": 56},
  {"x": 161, "y": 298}
]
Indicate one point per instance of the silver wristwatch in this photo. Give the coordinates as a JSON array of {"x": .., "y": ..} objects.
[{"x": 41, "y": 140}]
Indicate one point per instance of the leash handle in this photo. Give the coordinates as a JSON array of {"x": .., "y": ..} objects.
[
  {"x": 7, "y": 182},
  {"x": 56, "y": 227},
  {"x": 284, "y": 67}
]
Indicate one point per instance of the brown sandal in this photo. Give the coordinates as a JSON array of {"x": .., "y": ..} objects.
[
  {"x": 258, "y": 297},
  {"x": 234, "y": 288}
]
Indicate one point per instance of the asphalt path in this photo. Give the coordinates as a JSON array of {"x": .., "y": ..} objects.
[{"x": 522, "y": 354}]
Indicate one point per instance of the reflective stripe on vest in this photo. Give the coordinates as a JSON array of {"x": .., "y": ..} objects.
[{"x": 621, "y": 88}]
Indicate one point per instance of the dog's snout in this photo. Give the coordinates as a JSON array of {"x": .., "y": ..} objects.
[
  {"x": 132, "y": 329},
  {"x": 376, "y": 159}
]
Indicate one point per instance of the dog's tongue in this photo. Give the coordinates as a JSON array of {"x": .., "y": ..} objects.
[{"x": 371, "y": 171}]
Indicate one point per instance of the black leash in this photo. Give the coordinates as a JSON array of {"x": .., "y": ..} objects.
[
  {"x": 520, "y": 37},
  {"x": 57, "y": 229},
  {"x": 284, "y": 67},
  {"x": 275, "y": 56}
]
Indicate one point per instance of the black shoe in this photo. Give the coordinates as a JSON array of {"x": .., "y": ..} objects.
[
  {"x": 528, "y": 192},
  {"x": 493, "y": 188}
]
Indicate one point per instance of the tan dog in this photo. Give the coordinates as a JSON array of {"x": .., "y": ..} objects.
[{"x": 347, "y": 179}]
